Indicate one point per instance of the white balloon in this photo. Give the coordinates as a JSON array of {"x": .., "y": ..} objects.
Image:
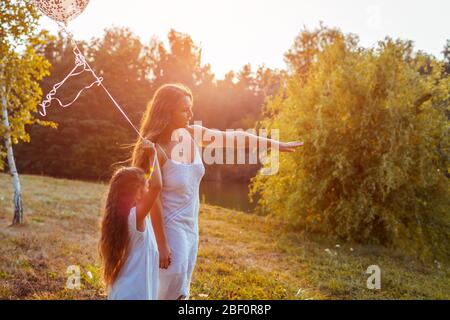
[{"x": 61, "y": 10}]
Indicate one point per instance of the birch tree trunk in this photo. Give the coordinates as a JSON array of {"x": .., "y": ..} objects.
[{"x": 18, "y": 210}]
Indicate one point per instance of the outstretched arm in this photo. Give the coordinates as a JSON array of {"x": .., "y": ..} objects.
[{"x": 205, "y": 136}]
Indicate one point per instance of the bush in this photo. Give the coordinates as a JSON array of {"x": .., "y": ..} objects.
[{"x": 372, "y": 121}]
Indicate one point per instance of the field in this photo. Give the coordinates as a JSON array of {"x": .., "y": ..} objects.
[{"x": 241, "y": 256}]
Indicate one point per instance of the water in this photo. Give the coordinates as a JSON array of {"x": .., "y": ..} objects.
[{"x": 231, "y": 195}]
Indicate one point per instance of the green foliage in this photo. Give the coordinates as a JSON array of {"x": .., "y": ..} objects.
[
  {"x": 370, "y": 170},
  {"x": 21, "y": 68}
]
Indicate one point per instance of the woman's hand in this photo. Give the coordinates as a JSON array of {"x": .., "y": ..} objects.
[
  {"x": 290, "y": 146},
  {"x": 165, "y": 256}
]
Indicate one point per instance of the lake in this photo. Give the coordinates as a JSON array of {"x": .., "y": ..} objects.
[{"x": 231, "y": 195}]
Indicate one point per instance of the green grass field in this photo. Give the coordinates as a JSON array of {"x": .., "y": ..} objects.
[{"x": 241, "y": 256}]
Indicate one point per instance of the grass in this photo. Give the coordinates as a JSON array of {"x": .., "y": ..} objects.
[{"x": 241, "y": 256}]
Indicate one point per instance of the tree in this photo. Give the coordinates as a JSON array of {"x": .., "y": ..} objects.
[
  {"x": 21, "y": 67},
  {"x": 181, "y": 62},
  {"x": 369, "y": 170},
  {"x": 309, "y": 44},
  {"x": 446, "y": 53}
]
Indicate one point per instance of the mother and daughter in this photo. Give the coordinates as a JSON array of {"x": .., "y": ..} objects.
[{"x": 149, "y": 229}]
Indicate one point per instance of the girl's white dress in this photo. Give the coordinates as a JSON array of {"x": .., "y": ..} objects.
[
  {"x": 138, "y": 278},
  {"x": 180, "y": 201}
]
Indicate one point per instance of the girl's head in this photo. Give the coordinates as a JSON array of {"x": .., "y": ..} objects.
[
  {"x": 126, "y": 188},
  {"x": 169, "y": 109}
]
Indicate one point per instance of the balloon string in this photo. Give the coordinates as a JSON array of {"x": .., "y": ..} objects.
[{"x": 80, "y": 60}]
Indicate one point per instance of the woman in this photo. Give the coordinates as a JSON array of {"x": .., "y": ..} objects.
[{"x": 175, "y": 214}]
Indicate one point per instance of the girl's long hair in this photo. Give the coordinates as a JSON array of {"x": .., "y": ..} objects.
[
  {"x": 157, "y": 117},
  {"x": 114, "y": 234}
]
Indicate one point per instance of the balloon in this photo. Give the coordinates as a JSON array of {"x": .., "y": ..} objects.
[{"x": 62, "y": 10}]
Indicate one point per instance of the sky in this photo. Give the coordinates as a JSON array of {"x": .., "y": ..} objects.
[{"x": 233, "y": 33}]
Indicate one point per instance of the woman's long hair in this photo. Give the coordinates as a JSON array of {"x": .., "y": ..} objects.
[
  {"x": 157, "y": 118},
  {"x": 114, "y": 234}
]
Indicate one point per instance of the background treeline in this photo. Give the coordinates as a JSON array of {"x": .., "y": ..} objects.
[{"x": 92, "y": 135}]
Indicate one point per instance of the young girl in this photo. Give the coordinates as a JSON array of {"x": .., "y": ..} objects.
[{"x": 128, "y": 249}]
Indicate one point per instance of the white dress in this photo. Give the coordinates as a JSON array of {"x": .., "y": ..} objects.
[
  {"x": 138, "y": 278},
  {"x": 180, "y": 202}
]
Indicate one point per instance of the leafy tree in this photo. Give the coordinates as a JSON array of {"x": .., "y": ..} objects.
[
  {"x": 369, "y": 171},
  {"x": 21, "y": 67},
  {"x": 181, "y": 62},
  {"x": 309, "y": 44}
]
